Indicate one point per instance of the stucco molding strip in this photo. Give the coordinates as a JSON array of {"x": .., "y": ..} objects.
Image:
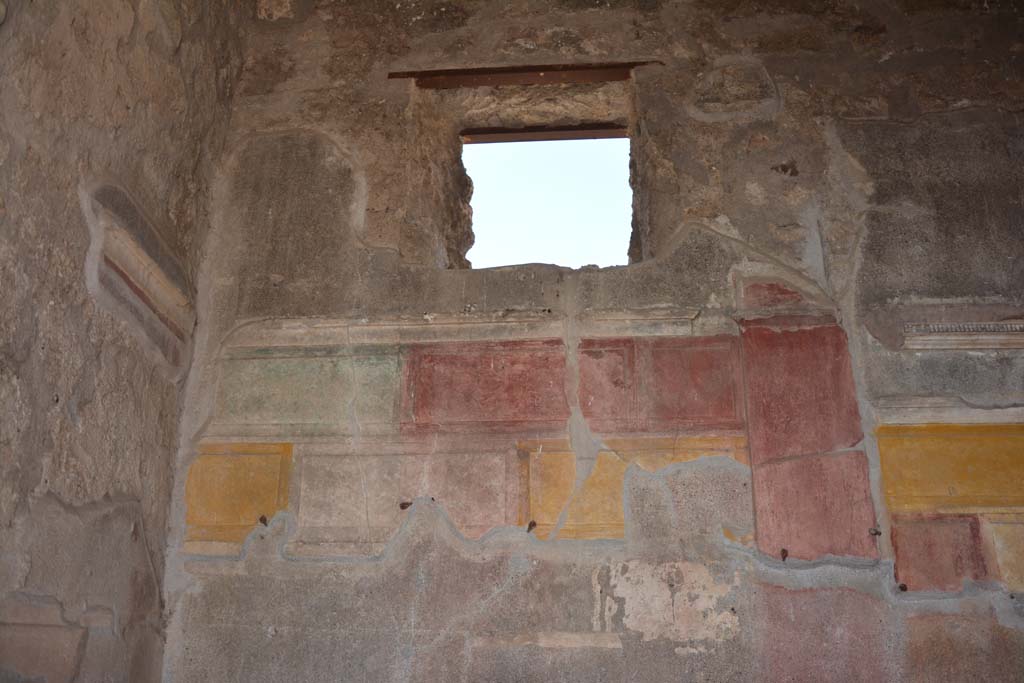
[
  {"x": 911, "y": 410},
  {"x": 430, "y": 327},
  {"x": 964, "y": 335}
]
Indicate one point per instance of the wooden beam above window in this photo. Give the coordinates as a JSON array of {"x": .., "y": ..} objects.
[
  {"x": 593, "y": 131},
  {"x": 545, "y": 74}
]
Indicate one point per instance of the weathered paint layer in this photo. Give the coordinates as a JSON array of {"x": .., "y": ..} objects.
[
  {"x": 801, "y": 398},
  {"x": 231, "y": 489},
  {"x": 815, "y": 506}
]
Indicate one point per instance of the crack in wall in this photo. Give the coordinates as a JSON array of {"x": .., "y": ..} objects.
[{"x": 585, "y": 445}]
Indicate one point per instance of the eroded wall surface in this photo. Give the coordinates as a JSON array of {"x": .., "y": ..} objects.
[
  {"x": 783, "y": 444},
  {"x": 110, "y": 114}
]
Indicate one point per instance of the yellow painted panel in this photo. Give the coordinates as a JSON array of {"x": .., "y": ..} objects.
[
  {"x": 552, "y": 478},
  {"x": 1008, "y": 539},
  {"x": 952, "y": 468},
  {"x": 677, "y": 448},
  {"x": 596, "y": 510},
  {"x": 230, "y": 486}
]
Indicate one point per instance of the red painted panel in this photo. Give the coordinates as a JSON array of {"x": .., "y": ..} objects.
[
  {"x": 815, "y": 506},
  {"x": 693, "y": 381},
  {"x": 659, "y": 384},
  {"x": 515, "y": 383},
  {"x": 607, "y": 390},
  {"x": 937, "y": 552},
  {"x": 801, "y": 396}
]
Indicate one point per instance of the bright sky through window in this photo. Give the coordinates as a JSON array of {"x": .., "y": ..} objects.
[{"x": 566, "y": 202}]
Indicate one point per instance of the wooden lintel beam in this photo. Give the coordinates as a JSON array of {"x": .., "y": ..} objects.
[
  {"x": 539, "y": 133},
  {"x": 545, "y": 74}
]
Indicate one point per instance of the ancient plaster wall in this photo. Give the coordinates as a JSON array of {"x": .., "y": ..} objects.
[
  {"x": 783, "y": 444},
  {"x": 111, "y": 112}
]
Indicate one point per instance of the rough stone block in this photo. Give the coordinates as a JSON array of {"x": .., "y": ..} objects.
[
  {"x": 938, "y": 552},
  {"x": 819, "y": 635},
  {"x": 281, "y": 10},
  {"x": 486, "y": 385},
  {"x": 660, "y": 384},
  {"x": 230, "y": 487},
  {"x": 801, "y": 396},
  {"x": 738, "y": 89},
  {"x": 1007, "y": 533},
  {"x": 936, "y": 467},
  {"x": 815, "y": 506}
]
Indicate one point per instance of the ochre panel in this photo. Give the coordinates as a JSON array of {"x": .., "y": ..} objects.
[
  {"x": 596, "y": 509},
  {"x": 552, "y": 478},
  {"x": 231, "y": 486},
  {"x": 950, "y": 468},
  {"x": 649, "y": 452},
  {"x": 1007, "y": 534}
]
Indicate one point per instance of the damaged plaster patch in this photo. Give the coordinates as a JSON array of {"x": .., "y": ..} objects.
[
  {"x": 738, "y": 88},
  {"x": 677, "y": 601},
  {"x": 273, "y": 10},
  {"x": 755, "y": 193}
]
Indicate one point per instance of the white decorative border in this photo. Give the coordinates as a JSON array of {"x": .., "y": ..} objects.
[{"x": 964, "y": 335}]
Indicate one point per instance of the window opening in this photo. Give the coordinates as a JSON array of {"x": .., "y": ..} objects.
[{"x": 564, "y": 202}]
